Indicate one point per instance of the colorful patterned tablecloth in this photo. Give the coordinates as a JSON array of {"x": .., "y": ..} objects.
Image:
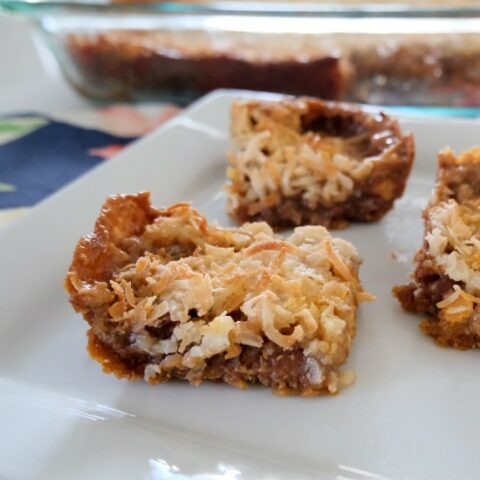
[{"x": 40, "y": 154}]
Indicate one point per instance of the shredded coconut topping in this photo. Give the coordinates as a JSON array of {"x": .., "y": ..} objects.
[
  {"x": 454, "y": 241},
  {"x": 453, "y": 234},
  {"x": 224, "y": 289},
  {"x": 275, "y": 157}
]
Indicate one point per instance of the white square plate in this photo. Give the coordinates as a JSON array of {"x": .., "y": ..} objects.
[{"x": 412, "y": 414}]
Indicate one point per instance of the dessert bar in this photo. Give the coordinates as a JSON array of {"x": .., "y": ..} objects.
[
  {"x": 306, "y": 161},
  {"x": 169, "y": 296}
]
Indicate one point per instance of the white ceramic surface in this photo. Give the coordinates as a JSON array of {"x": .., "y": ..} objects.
[{"x": 412, "y": 414}]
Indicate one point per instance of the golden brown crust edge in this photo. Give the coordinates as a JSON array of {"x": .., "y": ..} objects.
[
  {"x": 110, "y": 361},
  {"x": 98, "y": 254}
]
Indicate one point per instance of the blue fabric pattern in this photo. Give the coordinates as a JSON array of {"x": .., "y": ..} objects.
[{"x": 36, "y": 164}]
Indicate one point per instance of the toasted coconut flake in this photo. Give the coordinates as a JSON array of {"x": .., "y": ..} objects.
[
  {"x": 215, "y": 339},
  {"x": 455, "y": 295},
  {"x": 450, "y": 299},
  {"x": 233, "y": 351},
  {"x": 346, "y": 378},
  {"x": 453, "y": 241},
  {"x": 151, "y": 371},
  {"x": 271, "y": 245},
  {"x": 246, "y": 334},
  {"x": 316, "y": 348},
  {"x": 307, "y": 321},
  {"x": 314, "y": 371},
  {"x": 365, "y": 297},
  {"x": 337, "y": 262}
]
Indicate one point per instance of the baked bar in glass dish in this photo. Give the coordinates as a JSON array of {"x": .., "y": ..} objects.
[
  {"x": 306, "y": 161},
  {"x": 169, "y": 296},
  {"x": 413, "y": 69},
  {"x": 196, "y": 62},
  {"x": 446, "y": 282}
]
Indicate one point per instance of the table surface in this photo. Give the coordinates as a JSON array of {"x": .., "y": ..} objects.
[
  {"x": 52, "y": 96},
  {"x": 48, "y": 94}
]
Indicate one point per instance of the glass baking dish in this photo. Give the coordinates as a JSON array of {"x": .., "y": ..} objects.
[{"x": 422, "y": 53}]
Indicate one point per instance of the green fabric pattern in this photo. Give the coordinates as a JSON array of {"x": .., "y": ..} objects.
[
  {"x": 6, "y": 187},
  {"x": 13, "y": 128}
]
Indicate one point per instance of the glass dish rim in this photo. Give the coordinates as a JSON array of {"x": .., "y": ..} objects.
[{"x": 239, "y": 7}]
